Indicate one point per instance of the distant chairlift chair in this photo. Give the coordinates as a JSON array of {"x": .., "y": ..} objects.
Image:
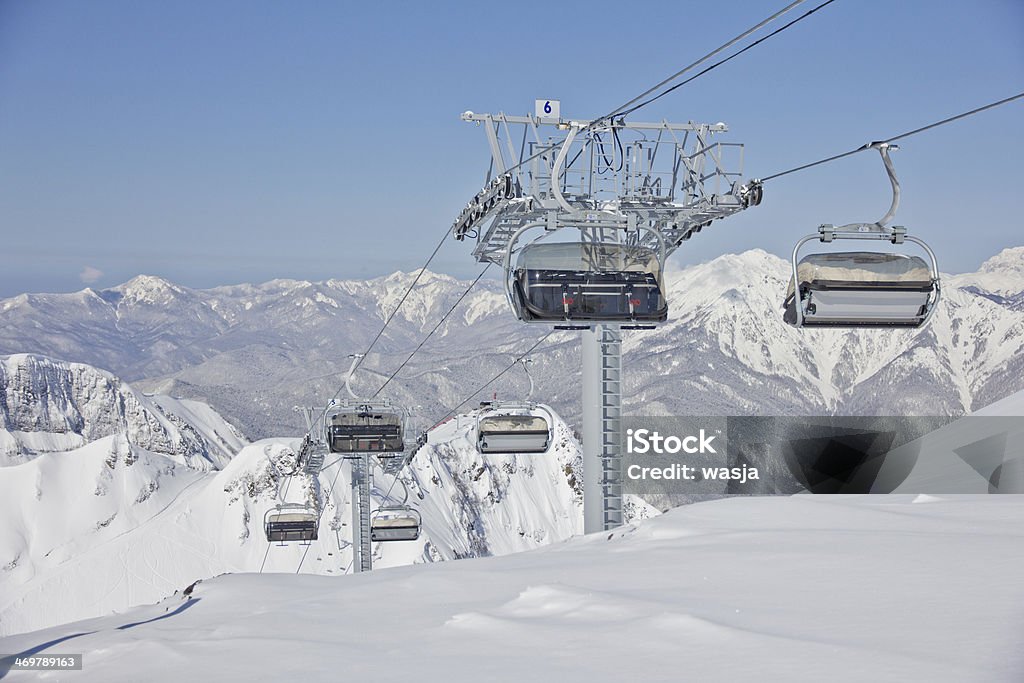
[
  {"x": 514, "y": 427},
  {"x": 395, "y": 523},
  {"x": 291, "y": 522},
  {"x": 366, "y": 429},
  {"x": 502, "y": 432}
]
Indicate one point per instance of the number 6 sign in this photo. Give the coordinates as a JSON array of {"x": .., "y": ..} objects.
[{"x": 547, "y": 109}]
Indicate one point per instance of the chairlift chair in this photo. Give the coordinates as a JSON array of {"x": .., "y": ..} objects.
[
  {"x": 363, "y": 425},
  {"x": 503, "y": 431},
  {"x": 291, "y": 522},
  {"x": 395, "y": 523},
  {"x": 366, "y": 429},
  {"x": 514, "y": 427},
  {"x": 587, "y": 281},
  {"x": 863, "y": 288}
]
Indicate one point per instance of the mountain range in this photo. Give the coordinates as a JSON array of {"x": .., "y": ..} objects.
[{"x": 255, "y": 351}]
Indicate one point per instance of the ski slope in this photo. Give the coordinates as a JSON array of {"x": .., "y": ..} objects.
[
  {"x": 885, "y": 588},
  {"x": 111, "y": 525}
]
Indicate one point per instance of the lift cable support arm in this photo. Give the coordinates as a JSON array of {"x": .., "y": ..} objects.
[{"x": 671, "y": 178}]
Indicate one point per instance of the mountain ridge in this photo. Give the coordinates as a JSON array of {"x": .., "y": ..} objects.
[{"x": 256, "y": 350}]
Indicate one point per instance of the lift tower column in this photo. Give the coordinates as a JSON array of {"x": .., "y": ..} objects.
[
  {"x": 362, "y": 482},
  {"x": 602, "y": 427}
]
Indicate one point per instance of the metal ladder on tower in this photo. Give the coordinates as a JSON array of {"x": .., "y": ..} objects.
[
  {"x": 362, "y": 482},
  {"x": 611, "y": 425},
  {"x": 314, "y": 461}
]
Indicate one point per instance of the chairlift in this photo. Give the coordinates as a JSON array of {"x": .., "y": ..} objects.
[
  {"x": 291, "y": 522},
  {"x": 505, "y": 432},
  {"x": 508, "y": 427},
  {"x": 365, "y": 426},
  {"x": 863, "y": 288},
  {"x": 587, "y": 282},
  {"x": 395, "y": 523}
]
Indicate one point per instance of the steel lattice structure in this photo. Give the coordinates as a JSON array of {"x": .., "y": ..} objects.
[{"x": 655, "y": 184}]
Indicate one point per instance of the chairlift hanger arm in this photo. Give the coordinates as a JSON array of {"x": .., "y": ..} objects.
[
  {"x": 526, "y": 368},
  {"x": 880, "y": 229},
  {"x": 883, "y": 149},
  {"x": 356, "y": 358}
]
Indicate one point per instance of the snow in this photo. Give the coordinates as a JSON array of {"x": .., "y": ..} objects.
[
  {"x": 1011, "y": 406},
  {"x": 49, "y": 405},
  {"x": 1003, "y": 274},
  {"x": 743, "y": 589},
  {"x": 111, "y": 525}
]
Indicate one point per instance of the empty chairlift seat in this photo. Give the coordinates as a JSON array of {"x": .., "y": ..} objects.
[
  {"x": 582, "y": 282},
  {"x": 366, "y": 431},
  {"x": 400, "y": 523},
  {"x": 499, "y": 433},
  {"x": 291, "y": 523},
  {"x": 861, "y": 289}
]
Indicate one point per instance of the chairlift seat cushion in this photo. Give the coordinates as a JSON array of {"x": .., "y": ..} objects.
[
  {"x": 286, "y": 517},
  {"x": 593, "y": 258},
  {"x": 852, "y": 269},
  {"x": 514, "y": 424},
  {"x": 301, "y": 529},
  {"x": 396, "y": 522},
  {"x": 862, "y": 289}
]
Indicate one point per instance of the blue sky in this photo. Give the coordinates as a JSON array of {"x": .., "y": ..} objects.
[{"x": 221, "y": 142}]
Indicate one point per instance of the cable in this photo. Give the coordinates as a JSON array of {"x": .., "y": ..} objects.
[
  {"x": 870, "y": 145},
  {"x": 412, "y": 285},
  {"x": 320, "y": 514},
  {"x": 387, "y": 321},
  {"x": 432, "y": 331},
  {"x": 265, "y": 556},
  {"x": 496, "y": 377},
  {"x": 700, "y": 61},
  {"x": 619, "y": 112},
  {"x": 483, "y": 386},
  {"x": 719, "y": 63},
  {"x": 591, "y": 125}
]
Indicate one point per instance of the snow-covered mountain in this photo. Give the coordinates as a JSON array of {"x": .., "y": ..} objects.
[
  {"x": 1000, "y": 275},
  {"x": 142, "y": 502},
  {"x": 48, "y": 406},
  {"x": 255, "y": 351},
  {"x": 801, "y": 589}
]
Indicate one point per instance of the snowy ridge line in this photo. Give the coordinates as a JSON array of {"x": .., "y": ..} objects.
[
  {"x": 250, "y": 350},
  {"x": 48, "y": 405}
]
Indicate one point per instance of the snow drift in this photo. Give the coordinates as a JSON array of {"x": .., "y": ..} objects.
[{"x": 805, "y": 588}]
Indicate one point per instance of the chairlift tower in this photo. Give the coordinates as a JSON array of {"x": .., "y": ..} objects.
[
  {"x": 359, "y": 430},
  {"x": 606, "y": 202}
]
